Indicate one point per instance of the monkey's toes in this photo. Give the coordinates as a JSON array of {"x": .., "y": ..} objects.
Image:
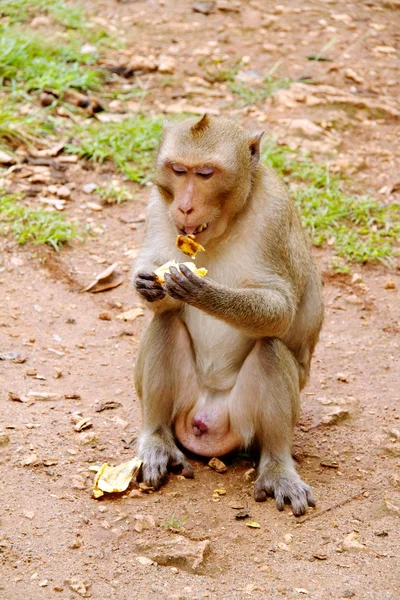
[{"x": 286, "y": 490}]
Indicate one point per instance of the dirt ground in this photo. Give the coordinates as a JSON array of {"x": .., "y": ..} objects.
[{"x": 56, "y": 541}]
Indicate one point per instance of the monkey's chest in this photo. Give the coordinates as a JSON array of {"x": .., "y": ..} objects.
[{"x": 219, "y": 350}]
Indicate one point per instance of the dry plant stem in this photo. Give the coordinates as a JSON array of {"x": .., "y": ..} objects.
[{"x": 332, "y": 507}]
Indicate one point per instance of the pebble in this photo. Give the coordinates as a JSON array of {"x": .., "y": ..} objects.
[
  {"x": 4, "y": 439},
  {"x": 389, "y": 285},
  {"x": 104, "y": 316},
  {"x": 217, "y": 465},
  {"x": 353, "y": 299},
  {"x": 88, "y": 188},
  {"x": 143, "y": 560}
]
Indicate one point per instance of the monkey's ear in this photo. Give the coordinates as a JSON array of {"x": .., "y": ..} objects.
[
  {"x": 254, "y": 146},
  {"x": 200, "y": 126}
]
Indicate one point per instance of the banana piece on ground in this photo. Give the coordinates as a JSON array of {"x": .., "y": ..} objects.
[{"x": 160, "y": 272}]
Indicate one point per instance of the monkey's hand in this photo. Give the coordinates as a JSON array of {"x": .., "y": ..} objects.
[
  {"x": 184, "y": 285},
  {"x": 148, "y": 287}
]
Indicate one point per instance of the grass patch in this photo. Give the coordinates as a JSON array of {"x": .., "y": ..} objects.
[
  {"x": 358, "y": 228},
  {"x": 114, "y": 193},
  {"x": 217, "y": 70},
  {"x": 174, "y": 524},
  {"x": 34, "y": 225},
  {"x": 19, "y": 11},
  {"x": 255, "y": 94},
  {"x": 30, "y": 63},
  {"x": 130, "y": 144}
]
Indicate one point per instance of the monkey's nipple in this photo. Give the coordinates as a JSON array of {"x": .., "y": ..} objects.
[{"x": 199, "y": 427}]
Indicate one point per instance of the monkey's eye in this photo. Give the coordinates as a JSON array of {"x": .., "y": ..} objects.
[
  {"x": 178, "y": 169},
  {"x": 205, "y": 172}
]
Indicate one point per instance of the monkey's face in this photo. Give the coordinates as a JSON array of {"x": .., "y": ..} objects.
[
  {"x": 197, "y": 197},
  {"x": 204, "y": 174}
]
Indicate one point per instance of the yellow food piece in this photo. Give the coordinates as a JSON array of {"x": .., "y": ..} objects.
[
  {"x": 187, "y": 245},
  {"x": 115, "y": 479},
  {"x": 160, "y": 272}
]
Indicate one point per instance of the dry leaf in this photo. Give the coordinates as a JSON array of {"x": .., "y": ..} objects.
[
  {"x": 131, "y": 315},
  {"x": 115, "y": 479},
  {"x": 253, "y": 525},
  {"x": 106, "y": 280}
]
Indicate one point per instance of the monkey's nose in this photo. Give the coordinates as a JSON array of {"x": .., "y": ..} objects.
[
  {"x": 199, "y": 427},
  {"x": 186, "y": 211}
]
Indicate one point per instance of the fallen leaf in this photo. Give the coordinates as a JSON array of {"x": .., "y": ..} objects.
[
  {"x": 131, "y": 315},
  {"x": 253, "y": 525},
  {"x": 108, "y": 405},
  {"x": 108, "y": 279},
  {"x": 115, "y": 479}
]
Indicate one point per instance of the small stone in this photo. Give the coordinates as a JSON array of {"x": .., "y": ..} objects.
[
  {"x": 350, "y": 543},
  {"x": 342, "y": 377},
  {"x": 29, "y": 514},
  {"x": 394, "y": 480},
  {"x": 88, "y": 49},
  {"x": 217, "y": 465},
  {"x": 305, "y": 128},
  {"x": 353, "y": 76},
  {"x": 356, "y": 278},
  {"x": 143, "y": 522},
  {"x": 89, "y": 188},
  {"x": 58, "y": 588},
  {"x": 141, "y": 63},
  {"x": 174, "y": 570},
  {"x": 348, "y": 594},
  {"x": 78, "y": 586},
  {"x": 288, "y": 538},
  {"x": 394, "y": 433},
  {"x": 6, "y": 159},
  {"x": 4, "y": 439},
  {"x": 354, "y": 300},
  {"x": 43, "y": 583},
  {"x": 205, "y": 8},
  {"x": 389, "y": 285},
  {"x": 143, "y": 560},
  {"x": 166, "y": 64},
  {"x": 31, "y": 372},
  {"x": 242, "y": 514},
  {"x": 94, "y": 206},
  {"x": 104, "y": 316},
  {"x": 390, "y": 507},
  {"x": 57, "y": 373},
  {"x": 63, "y": 192},
  {"x": 335, "y": 415}
]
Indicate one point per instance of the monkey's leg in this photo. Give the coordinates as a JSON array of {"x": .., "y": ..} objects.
[
  {"x": 165, "y": 378},
  {"x": 265, "y": 405}
]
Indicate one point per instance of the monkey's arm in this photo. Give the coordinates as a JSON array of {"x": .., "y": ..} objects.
[{"x": 259, "y": 312}]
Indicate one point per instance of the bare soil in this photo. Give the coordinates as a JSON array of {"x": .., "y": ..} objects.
[{"x": 56, "y": 541}]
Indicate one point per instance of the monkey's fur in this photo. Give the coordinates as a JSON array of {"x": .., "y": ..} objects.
[{"x": 224, "y": 359}]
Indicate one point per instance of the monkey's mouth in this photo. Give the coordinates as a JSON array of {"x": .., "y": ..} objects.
[{"x": 194, "y": 230}]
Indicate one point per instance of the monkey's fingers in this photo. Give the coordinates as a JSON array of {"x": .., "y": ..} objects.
[
  {"x": 180, "y": 279},
  {"x": 146, "y": 275},
  {"x": 144, "y": 284},
  {"x": 174, "y": 289},
  {"x": 193, "y": 278}
]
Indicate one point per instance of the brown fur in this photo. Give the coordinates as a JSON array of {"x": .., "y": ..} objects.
[{"x": 233, "y": 350}]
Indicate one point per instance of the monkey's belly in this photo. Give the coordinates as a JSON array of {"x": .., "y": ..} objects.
[
  {"x": 205, "y": 429},
  {"x": 219, "y": 349}
]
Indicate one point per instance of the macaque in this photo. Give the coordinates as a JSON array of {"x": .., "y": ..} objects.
[{"x": 222, "y": 363}]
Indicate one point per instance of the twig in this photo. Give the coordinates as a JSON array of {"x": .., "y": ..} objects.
[{"x": 332, "y": 507}]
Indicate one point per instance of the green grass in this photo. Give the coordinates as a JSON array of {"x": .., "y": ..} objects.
[
  {"x": 30, "y": 63},
  {"x": 130, "y": 144},
  {"x": 19, "y": 11},
  {"x": 358, "y": 228},
  {"x": 217, "y": 70},
  {"x": 173, "y": 523},
  {"x": 114, "y": 193},
  {"x": 34, "y": 225},
  {"x": 255, "y": 94}
]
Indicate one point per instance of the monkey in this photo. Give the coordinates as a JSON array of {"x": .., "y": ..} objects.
[{"x": 222, "y": 363}]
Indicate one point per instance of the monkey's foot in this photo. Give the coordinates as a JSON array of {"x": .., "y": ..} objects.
[
  {"x": 160, "y": 455},
  {"x": 286, "y": 486}
]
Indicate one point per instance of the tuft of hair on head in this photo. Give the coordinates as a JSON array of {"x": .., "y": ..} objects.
[{"x": 200, "y": 126}]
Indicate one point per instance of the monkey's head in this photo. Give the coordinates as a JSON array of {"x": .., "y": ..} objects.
[{"x": 205, "y": 171}]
